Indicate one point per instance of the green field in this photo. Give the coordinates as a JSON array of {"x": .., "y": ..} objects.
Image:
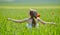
[{"x": 49, "y": 14}]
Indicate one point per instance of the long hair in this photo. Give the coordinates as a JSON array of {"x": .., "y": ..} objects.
[{"x": 33, "y": 15}]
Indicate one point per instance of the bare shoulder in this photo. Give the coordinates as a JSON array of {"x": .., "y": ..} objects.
[{"x": 38, "y": 18}]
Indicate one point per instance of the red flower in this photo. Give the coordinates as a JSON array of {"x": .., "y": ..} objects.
[{"x": 38, "y": 15}]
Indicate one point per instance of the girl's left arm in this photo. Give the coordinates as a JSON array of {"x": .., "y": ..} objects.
[{"x": 19, "y": 21}]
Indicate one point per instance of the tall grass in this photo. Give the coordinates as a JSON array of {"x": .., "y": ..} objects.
[{"x": 12, "y": 28}]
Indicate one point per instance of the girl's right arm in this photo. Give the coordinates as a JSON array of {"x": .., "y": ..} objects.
[{"x": 44, "y": 21}]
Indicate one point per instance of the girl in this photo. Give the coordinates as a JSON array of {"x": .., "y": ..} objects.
[{"x": 33, "y": 20}]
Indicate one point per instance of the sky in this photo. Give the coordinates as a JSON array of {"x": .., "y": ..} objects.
[{"x": 33, "y": 1}]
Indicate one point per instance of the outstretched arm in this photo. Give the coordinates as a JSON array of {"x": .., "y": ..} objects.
[
  {"x": 19, "y": 21},
  {"x": 44, "y": 21}
]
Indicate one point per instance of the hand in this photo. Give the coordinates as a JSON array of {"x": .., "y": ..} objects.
[
  {"x": 9, "y": 19},
  {"x": 52, "y": 23}
]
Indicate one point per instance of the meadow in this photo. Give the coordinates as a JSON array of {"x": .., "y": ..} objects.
[{"x": 49, "y": 14}]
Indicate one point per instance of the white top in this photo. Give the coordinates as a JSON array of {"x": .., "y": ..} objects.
[
  {"x": 29, "y": 25},
  {"x": 30, "y": 21}
]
